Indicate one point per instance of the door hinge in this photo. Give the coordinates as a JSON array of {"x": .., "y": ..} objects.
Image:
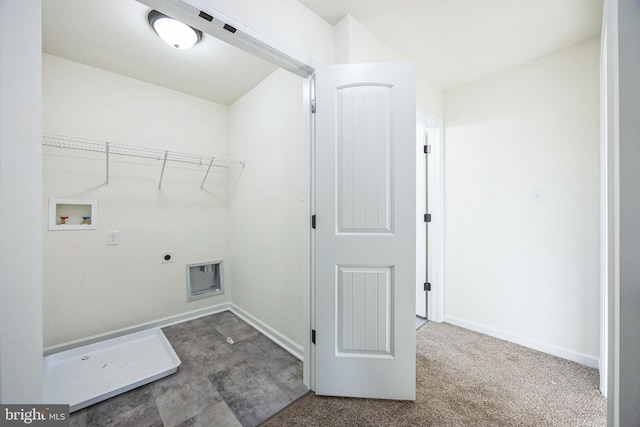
[
  {"x": 313, "y": 221},
  {"x": 427, "y": 286},
  {"x": 313, "y": 106},
  {"x": 427, "y": 149},
  {"x": 313, "y": 336},
  {"x": 427, "y": 217}
]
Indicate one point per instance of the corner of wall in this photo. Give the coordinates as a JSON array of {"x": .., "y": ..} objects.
[
  {"x": 429, "y": 96},
  {"x": 364, "y": 46},
  {"x": 341, "y": 41},
  {"x": 354, "y": 43}
]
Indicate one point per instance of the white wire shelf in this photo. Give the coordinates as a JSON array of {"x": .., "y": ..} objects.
[{"x": 110, "y": 149}]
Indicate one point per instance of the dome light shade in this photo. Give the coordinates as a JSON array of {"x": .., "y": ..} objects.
[{"x": 172, "y": 32}]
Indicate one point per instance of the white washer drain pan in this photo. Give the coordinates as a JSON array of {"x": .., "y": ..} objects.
[{"x": 86, "y": 375}]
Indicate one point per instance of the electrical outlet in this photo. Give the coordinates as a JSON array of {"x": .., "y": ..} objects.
[
  {"x": 166, "y": 257},
  {"x": 113, "y": 238}
]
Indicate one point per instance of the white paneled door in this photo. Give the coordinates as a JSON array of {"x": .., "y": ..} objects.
[{"x": 365, "y": 236}]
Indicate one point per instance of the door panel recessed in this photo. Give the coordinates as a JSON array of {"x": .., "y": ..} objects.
[
  {"x": 363, "y": 145},
  {"x": 364, "y": 298}
]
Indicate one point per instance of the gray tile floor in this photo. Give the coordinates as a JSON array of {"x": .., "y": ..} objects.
[{"x": 217, "y": 384}]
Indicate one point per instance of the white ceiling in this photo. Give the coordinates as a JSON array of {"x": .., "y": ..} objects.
[
  {"x": 456, "y": 41},
  {"x": 114, "y": 35}
]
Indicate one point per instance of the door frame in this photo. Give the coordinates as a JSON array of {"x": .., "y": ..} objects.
[{"x": 435, "y": 244}]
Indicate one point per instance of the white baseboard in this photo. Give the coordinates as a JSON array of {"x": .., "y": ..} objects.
[
  {"x": 160, "y": 323},
  {"x": 275, "y": 336},
  {"x": 292, "y": 347},
  {"x": 575, "y": 356}
]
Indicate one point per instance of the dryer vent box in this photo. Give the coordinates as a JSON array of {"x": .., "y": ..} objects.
[{"x": 204, "y": 279}]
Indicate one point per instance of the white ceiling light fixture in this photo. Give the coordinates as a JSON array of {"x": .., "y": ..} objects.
[{"x": 173, "y": 32}]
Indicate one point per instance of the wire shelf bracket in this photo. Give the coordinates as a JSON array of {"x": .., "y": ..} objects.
[{"x": 110, "y": 149}]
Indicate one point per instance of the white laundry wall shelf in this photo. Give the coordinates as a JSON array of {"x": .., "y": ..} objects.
[{"x": 112, "y": 150}]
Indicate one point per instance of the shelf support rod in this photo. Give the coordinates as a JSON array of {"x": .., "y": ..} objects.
[
  {"x": 164, "y": 163},
  {"x": 106, "y": 150},
  {"x": 206, "y": 174}
]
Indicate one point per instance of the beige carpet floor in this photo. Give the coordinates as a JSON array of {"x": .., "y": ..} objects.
[{"x": 469, "y": 379}]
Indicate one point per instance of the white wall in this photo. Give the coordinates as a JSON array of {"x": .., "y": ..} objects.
[
  {"x": 522, "y": 204},
  {"x": 20, "y": 186},
  {"x": 354, "y": 43},
  {"x": 92, "y": 288},
  {"x": 269, "y": 210}
]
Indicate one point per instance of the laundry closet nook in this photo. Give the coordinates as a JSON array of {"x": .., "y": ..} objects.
[{"x": 192, "y": 205}]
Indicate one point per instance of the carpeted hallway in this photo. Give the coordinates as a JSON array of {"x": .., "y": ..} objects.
[{"x": 469, "y": 379}]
